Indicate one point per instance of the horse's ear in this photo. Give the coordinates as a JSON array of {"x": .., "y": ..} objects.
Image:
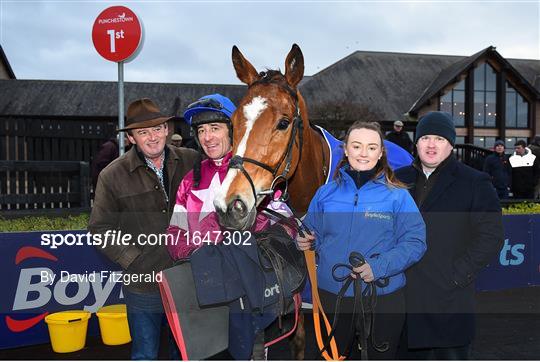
[
  {"x": 294, "y": 66},
  {"x": 244, "y": 70}
]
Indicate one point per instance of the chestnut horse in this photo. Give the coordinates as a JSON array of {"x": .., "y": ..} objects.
[{"x": 271, "y": 135}]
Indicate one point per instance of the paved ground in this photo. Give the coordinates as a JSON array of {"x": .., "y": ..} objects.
[{"x": 508, "y": 328}]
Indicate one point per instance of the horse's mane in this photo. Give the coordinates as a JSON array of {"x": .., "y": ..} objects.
[{"x": 275, "y": 77}]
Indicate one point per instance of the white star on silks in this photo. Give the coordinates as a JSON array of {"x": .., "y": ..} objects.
[{"x": 207, "y": 196}]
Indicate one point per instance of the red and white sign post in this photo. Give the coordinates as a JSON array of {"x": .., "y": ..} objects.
[{"x": 117, "y": 35}]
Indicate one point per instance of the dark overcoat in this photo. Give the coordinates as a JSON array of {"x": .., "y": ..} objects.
[{"x": 464, "y": 233}]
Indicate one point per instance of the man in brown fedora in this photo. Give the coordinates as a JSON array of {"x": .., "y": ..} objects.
[{"x": 135, "y": 196}]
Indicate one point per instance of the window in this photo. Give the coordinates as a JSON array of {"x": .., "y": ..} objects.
[
  {"x": 453, "y": 102},
  {"x": 511, "y": 141},
  {"x": 517, "y": 109},
  {"x": 485, "y": 96},
  {"x": 486, "y": 142}
]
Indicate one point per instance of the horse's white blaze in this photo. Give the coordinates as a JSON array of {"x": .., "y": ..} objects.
[
  {"x": 252, "y": 111},
  {"x": 219, "y": 201}
]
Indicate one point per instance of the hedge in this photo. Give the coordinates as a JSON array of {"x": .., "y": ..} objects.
[{"x": 80, "y": 222}]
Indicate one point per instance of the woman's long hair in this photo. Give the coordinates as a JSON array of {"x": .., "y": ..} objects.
[{"x": 382, "y": 166}]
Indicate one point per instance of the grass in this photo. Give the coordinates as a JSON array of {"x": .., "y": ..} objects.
[
  {"x": 80, "y": 222},
  {"x": 44, "y": 223}
]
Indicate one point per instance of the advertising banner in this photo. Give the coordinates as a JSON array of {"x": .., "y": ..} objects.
[
  {"x": 535, "y": 250},
  {"x": 512, "y": 267},
  {"x": 39, "y": 280},
  {"x": 41, "y": 277}
]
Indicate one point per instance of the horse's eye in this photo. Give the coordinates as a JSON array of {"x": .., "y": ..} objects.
[{"x": 283, "y": 124}]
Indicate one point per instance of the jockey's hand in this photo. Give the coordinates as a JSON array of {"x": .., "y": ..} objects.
[
  {"x": 365, "y": 272},
  {"x": 305, "y": 242}
]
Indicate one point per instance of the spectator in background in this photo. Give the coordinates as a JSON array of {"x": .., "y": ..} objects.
[
  {"x": 497, "y": 165},
  {"x": 176, "y": 140},
  {"x": 525, "y": 171},
  {"x": 400, "y": 137},
  {"x": 107, "y": 152},
  {"x": 535, "y": 149}
]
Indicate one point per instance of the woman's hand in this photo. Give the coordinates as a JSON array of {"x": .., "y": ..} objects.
[
  {"x": 365, "y": 272},
  {"x": 304, "y": 243}
]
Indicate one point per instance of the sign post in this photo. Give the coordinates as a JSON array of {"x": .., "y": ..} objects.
[{"x": 117, "y": 36}]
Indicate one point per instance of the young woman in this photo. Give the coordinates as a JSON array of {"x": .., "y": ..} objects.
[{"x": 367, "y": 211}]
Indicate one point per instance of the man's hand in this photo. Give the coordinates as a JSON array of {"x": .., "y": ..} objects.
[{"x": 304, "y": 243}]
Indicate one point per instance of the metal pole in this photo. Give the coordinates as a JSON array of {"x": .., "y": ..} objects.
[{"x": 121, "y": 106}]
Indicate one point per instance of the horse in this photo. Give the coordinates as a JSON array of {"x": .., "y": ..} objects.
[
  {"x": 275, "y": 146},
  {"x": 271, "y": 135}
]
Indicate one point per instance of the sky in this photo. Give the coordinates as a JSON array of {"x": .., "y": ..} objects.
[{"x": 191, "y": 41}]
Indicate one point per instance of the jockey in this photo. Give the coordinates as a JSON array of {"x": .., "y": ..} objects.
[
  {"x": 194, "y": 212},
  {"x": 210, "y": 119}
]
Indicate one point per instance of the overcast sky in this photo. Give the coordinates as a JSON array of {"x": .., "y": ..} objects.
[{"x": 190, "y": 42}]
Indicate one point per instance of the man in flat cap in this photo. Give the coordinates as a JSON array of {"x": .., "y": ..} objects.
[
  {"x": 135, "y": 194},
  {"x": 464, "y": 233},
  {"x": 400, "y": 137},
  {"x": 176, "y": 140}
]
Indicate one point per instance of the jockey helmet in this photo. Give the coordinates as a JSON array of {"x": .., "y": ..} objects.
[{"x": 209, "y": 109}]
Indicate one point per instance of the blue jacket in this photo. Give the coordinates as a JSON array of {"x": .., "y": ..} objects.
[
  {"x": 500, "y": 170},
  {"x": 381, "y": 222}
]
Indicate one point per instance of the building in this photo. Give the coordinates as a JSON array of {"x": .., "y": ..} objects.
[
  {"x": 46, "y": 121},
  {"x": 5, "y": 68},
  {"x": 490, "y": 97}
]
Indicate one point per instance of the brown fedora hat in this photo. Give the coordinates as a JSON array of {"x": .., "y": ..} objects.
[{"x": 143, "y": 113}]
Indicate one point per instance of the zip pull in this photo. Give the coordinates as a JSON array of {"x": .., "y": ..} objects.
[
  {"x": 241, "y": 304},
  {"x": 355, "y": 199}
]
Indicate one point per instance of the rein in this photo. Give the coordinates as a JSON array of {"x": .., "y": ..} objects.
[{"x": 362, "y": 325}]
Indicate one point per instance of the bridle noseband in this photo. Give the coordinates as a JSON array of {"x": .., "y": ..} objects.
[{"x": 237, "y": 162}]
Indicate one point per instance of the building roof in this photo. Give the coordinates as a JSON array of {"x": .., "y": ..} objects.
[
  {"x": 391, "y": 83},
  {"x": 4, "y": 60},
  {"x": 99, "y": 99},
  {"x": 388, "y": 83}
]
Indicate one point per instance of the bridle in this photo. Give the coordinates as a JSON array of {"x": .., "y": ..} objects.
[{"x": 237, "y": 162}]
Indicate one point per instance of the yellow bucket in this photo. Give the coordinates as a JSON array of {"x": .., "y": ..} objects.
[
  {"x": 114, "y": 325},
  {"x": 68, "y": 330}
]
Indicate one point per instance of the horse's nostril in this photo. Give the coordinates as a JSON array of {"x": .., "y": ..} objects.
[{"x": 239, "y": 207}]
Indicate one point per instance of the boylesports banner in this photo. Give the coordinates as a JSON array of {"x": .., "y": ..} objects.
[{"x": 38, "y": 279}]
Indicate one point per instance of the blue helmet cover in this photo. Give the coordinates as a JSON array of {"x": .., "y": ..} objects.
[{"x": 227, "y": 107}]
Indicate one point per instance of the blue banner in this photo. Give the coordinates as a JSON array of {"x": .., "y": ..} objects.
[
  {"x": 39, "y": 280},
  {"x": 512, "y": 266},
  {"x": 535, "y": 250}
]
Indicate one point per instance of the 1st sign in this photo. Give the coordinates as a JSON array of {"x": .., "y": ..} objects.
[{"x": 117, "y": 33}]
